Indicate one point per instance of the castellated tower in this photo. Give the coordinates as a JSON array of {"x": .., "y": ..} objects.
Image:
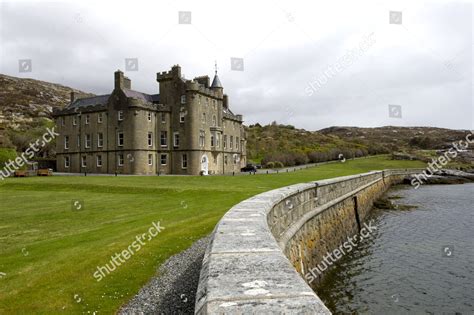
[{"x": 188, "y": 128}]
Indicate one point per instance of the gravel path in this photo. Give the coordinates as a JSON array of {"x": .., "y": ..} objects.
[{"x": 173, "y": 289}]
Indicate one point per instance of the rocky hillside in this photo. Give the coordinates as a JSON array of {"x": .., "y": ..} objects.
[
  {"x": 24, "y": 100},
  {"x": 396, "y": 138}
]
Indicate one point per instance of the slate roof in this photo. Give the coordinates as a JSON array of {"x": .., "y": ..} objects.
[
  {"x": 154, "y": 98},
  {"x": 90, "y": 101},
  {"x": 216, "y": 83}
]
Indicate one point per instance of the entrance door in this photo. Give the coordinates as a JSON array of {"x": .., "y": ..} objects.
[{"x": 205, "y": 165}]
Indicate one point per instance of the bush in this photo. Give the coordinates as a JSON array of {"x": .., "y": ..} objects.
[
  {"x": 278, "y": 164},
  {"x": 6, "y": 155},
  {"x": 270, "y": 165}
]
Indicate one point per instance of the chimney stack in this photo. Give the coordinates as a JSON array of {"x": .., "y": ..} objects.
[
  {"x": 225, "y": 101},
  {"x": 119, "y": 80},
  {"x": 73, "y": 97}
]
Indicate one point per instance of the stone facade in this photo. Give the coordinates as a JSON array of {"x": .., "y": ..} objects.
[{"x": 188, "y": 128}]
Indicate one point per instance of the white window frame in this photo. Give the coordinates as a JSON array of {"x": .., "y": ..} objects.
[
  {"x": 120, "y": 159},
  {"x": 231, "y": 144},
  {"x": 150, "y": 159},
  {"x": 176, "y": 139},
  {"x": 67, "y": 162},
  {"x": 118, "y": 139},
  {"x": 66, "y": 142},
  {"x": 181, "y": 117},
  {"x": 149, "y": 116},
  {"x": 100, "y": 118},
  {"x": 150, "y": 139},
  {"x": 165, "y": 134},
  {"x": 88, "y": 141},
  {"x": 163, "y": 118},
  {"x": 183, "y": 99},
  {"x": 99, "y": 159},
  {"x": 74, "y": 120},
  {"x": 120, "y": 115},
  {"x": 83, "y": 161},
  {"x": 87, "y": 119},
  {"x": 237, "y": 143},
  {"x": 184, "y": 161},
  {"x": 100, "y": 140},
  {"x": 161, "y": 159}
]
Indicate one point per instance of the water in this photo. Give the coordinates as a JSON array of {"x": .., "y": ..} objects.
[{"x": 420, "y": 261}]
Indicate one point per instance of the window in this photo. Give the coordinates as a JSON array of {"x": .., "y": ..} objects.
[
  {"x": 183, "y": 99},
  {"x": 163, "y": 118},
  {"x": 120, "y": 115},
  {"x": 176, "y": 139},
  {"x": 149, "y": 116},
  {"x": 88, "y": 141},
  {"x": 99, "y": 161},
  {"x": 74, "y": 120},
  {"x": 78, "y": 141},
  {"x": 100, "y": 140},
  {"x": 181, "y": 117},
  {"x": 66, "y": 162},
  {"x": 84, "y": 161},
  {"x": 150, "y": 159},
  {"x": 164, "y": 139},
  {"x": 217, "y": 140},
  {"x": 225, "y": 160},
  {"x": 235, "y": 158},
  {"x": 225, "y": 141},
  {"x": 231, "y": 145},
  {"x": 184, "y": 161},
  {"x": 212, "y": 141},
  {"x": 150, "y": 139},
  {"x": 163, "y": 159},
  {"x": 120, "y": 139},
  {"x": 214, "y": 120},
  {"x": 100, "y": 118},
  {"x": 237, "y": 143},
  {"x": 88, "y": 119},
  {"x": 202, "y": 138},
  {"x": 66, "y": 142},
  {"x": 120, "y": 160},
  {"x": 203, "y": 117}
]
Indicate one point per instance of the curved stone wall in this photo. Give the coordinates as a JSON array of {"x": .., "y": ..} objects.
[{"x": 261, "y": 249}]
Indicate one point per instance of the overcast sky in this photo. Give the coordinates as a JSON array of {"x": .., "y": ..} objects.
[{"x": 312, "y": 64}]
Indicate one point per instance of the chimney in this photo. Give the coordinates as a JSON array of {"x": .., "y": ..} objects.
[
  {"x": 225, "y": 101},
  {"x": 73, "y": 97},
  {"x": 127, "y": 83},
  {"x": 119, "y": 80}
]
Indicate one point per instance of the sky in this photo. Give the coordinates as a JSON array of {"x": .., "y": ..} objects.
[{"x": 311, "y": 64}]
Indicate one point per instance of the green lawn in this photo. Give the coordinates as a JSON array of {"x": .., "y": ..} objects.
[{"x": 49, "y": 252}]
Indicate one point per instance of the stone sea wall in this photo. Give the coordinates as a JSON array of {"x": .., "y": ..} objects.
[{"x": 261, "y": 249}]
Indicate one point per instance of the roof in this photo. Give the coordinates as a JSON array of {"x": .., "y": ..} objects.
[
  {"x": 143, "y": 96},
  {"x": 216, "y": 83},
  {"x": 91, "y": 101}
]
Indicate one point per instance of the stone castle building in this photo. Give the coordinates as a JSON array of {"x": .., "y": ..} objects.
[{"x": 188, "y": 128}]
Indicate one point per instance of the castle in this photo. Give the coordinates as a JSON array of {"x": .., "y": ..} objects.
[{"x": 188, "y": 128}]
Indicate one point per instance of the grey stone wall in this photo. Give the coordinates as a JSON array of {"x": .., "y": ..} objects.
[{"x": 262, "y": 247}]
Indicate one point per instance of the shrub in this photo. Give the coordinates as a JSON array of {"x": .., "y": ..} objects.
[
  {"x": 278, "y": 164},
  {"x": 6, "y": 155},
  {"x": 270, "y": 165}
]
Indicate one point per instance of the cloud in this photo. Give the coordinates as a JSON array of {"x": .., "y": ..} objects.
[{"x": 424, "y": 65}]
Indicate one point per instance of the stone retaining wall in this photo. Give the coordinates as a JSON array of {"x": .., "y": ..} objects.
[{"x": 261, "y": 249}]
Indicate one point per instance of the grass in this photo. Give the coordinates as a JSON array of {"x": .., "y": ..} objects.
[{"x": 49, "y": 252}]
